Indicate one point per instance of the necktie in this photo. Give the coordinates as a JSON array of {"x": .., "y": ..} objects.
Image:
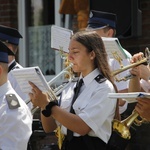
[{"x": 76, "y": 92}]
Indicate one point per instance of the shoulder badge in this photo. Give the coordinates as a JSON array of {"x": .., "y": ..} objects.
[
  {"x": 12, "y": 101},
  {"x": 100, "y": 78}
]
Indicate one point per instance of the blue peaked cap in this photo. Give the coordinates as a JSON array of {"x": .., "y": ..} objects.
[
  {"x": 3, "y": 53},
  {"x": 10, "y": 35},
  {"x": 99, "y": 19}
]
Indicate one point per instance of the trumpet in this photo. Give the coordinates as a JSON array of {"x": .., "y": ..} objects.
[
  {"x": 55, "y": 91},
  {"x": 124, "y": 68},
  {"x": 123, "y": 127}
]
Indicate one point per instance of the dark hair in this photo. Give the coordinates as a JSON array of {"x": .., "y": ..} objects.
[
  {"x": 93, "y": 42},
  {"x": 106, "y": 29}
]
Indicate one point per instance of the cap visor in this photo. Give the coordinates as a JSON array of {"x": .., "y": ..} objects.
[{"x": 95, "y": 28}]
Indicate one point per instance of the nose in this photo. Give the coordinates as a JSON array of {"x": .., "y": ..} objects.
[{"x": 70, "y": 57}]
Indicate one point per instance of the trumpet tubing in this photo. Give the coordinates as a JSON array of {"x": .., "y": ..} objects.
[
  {"x": 124, "y": 68},
  {"x": 128, "y": 67}
]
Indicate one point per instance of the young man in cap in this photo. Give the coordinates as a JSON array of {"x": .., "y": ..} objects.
[
  {"x": 104, "y": 24},
  {"x": 15, "y": 116},
  {"x": 10, "y": 37}
]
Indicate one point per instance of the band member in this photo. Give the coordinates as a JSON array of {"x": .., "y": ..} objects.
[
  {"x": 15, "y": 116},
  {"x": 85, "y": 121},
  {"x": 11, "y": 37},
  {"x": 104, "y": 24},
  {"x": 141, "y": 82}
]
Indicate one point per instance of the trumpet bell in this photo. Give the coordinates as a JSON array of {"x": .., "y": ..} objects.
[{"x": 121, "y": 129}]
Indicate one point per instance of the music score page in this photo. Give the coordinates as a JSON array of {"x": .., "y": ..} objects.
[
  {"x": 114, "y": 48},
  {"x": 33, "y": 74},
  {"x": 60, "y": 38},
  {"x": 129, "y": 97}
]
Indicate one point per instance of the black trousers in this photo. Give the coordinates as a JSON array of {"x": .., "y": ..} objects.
[{"x": 84, "y": 143}]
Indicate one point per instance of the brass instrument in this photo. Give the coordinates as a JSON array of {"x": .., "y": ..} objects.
[
  {"x": 124, "y": 68},
  {"x": 60, "y": 136},
  {"x": 123, "y": 127}
]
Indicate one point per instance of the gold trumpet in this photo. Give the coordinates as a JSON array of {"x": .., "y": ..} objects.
[
  {"x": 124, "y": 68},
  {"x": 123, "y": 127}
]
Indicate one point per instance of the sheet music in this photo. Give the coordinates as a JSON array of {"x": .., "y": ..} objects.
[
  {"x": 33, "y": 74},
  {"x": 129, "y": 97},
  {"x": 60, "y": 38},
  {"x": 113, "y": 46}
]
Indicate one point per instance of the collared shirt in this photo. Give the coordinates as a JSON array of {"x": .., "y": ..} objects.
[
  {"x": 145, "y": 85},
  {"x": 92, "y": 105},
  {"x": 15, "y": 85},
  {"x": 114, "y": 65},
  {"x": 15, "y": 124}
]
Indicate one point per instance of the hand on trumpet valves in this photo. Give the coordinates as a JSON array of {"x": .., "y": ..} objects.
[
  {"x": 38, "y": 98},
  {"x": 141, "y": 71},
  {"x": 137, "y": 57}
]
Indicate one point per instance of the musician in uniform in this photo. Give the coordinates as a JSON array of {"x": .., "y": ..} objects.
[
  {"x": 15, "y": 116},
  {"x": 141, "y": 83},
  {"x": 104, "y": 23},
  {"x": 11, "y": 37},
  {"x": 86, "y": 118}
]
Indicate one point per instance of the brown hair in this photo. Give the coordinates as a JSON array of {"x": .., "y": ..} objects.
[{"x": 93, "y": 42}]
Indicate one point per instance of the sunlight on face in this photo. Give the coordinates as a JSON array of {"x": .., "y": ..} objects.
[{"x": 79, "y": 56}]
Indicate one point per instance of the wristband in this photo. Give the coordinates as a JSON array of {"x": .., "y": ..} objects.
[{"x": 47, "y": 111}]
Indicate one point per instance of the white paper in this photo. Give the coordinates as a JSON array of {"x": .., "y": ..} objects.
[
  {"x": 60, "y": 38},
  {"x": 129, "y": 97},
  {"x": 113, "y": 46},
  {"x": 33, "y": 74}
]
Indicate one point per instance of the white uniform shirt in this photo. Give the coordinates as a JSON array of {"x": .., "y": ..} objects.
[
  {"x": 92, "y": 105},
  {"x": 145, "y": 85},
  {"x": 15, "y": 124},
  {"x": 16, "y": 87},
  {"x": 114, "y": 65}
]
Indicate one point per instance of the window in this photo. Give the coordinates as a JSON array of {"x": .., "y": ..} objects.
[{"x": 36, "y": 24}]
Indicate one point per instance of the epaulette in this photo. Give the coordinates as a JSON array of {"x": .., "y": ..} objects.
[
  {"x": 12, "y": 101},
  {"x": 100, "y": 78}
]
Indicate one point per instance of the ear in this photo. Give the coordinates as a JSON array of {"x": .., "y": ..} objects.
[
  {"x": 1, "y": 70},
  {"x": 92, "y": 55},
  {"x": 110, "y": 33}
]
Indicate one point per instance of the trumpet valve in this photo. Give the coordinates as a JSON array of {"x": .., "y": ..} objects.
[{"x": 121, "y": 129}]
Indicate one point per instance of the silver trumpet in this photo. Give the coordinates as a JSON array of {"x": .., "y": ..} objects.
[{"x": 54, "y": 91}]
